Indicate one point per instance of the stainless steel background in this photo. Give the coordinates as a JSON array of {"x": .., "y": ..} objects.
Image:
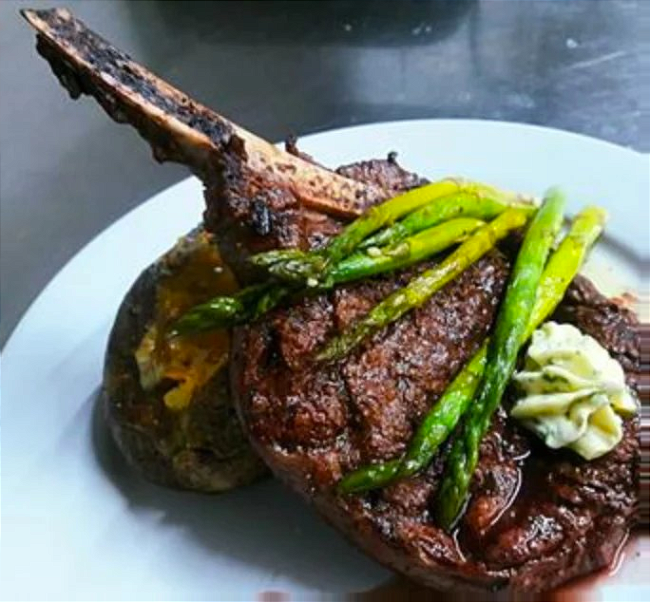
[{"x": 67, "y": 171}]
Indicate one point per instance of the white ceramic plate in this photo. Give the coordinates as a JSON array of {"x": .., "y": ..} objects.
[{"x": 78, "y": 524}]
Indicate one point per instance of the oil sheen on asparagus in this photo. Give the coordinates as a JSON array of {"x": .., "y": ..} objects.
[
  {"x": 442, "y": 418},
  {"x": 512, "y": 321}
]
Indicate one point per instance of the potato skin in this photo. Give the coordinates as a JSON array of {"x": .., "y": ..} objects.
[{"x": 201, "y": 447}]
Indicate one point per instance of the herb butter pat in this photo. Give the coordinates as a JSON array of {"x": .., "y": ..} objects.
[{"x": 574, "y": 392}]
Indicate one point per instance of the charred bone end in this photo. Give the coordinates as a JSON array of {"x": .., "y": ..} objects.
[
  {"x": 181, "y": 129},
  {"x": 85, "y": 63}
]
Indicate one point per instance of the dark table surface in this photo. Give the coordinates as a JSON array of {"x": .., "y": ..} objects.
[{"x": 67, "y": 171}]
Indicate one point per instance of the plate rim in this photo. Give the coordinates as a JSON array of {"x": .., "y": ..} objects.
[
  {"x": 447, "y": 121},
  {"x": 14, "y": 339}
]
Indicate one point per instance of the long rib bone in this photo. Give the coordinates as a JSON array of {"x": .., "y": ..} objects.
[{"x": 241, "y": 165}]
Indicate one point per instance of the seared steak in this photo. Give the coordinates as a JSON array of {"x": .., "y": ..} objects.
[
  {"x": 258, "y": 196},
  {"x": 535, "y": 518}
]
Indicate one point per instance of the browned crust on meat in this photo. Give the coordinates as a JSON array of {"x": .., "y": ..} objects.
[
  {"x": 258, "y": 198},
  {"x": 246, "y": 178},
  {"x": 312, "y": 424}
]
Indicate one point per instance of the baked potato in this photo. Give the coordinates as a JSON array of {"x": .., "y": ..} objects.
[{"x": 167, "y": 401}]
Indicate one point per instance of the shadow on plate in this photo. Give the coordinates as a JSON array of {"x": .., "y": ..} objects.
[
  {"x": 267, "y": 526},
  {"x": 263, "y": 524}
]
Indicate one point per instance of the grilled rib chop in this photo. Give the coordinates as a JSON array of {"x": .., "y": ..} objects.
[
  {"x": 257, "y": 196},
  {"x": 536, "y": 518}
]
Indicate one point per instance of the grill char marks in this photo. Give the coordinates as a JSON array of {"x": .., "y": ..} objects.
[
  {"x": 387, "y": 174},
  {"x": 536, "y": 518},
  {"x": 387, "y": 385},
  {"x": 112, "y": 65},
  {"x": 241, "y": 172}
]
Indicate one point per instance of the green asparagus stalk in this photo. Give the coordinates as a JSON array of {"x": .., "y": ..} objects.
[
  {"x": 512, "y": 322},
  {"x": 442, "y": 420},
  {"x": 373, "y": 476},
  {"x": 253, "y": 302},
  {"x": 562, "y": 267},
  {"x": 566, "y": 262},
  {"x": 269, "y": 258},
  {"x": 439, "y": 422},
  {"x": 423, "y": 287},
  {"x": 405, "y": 253},
  {"x": 220, "y": 312},
  {"x": 461, "y": 204},
  {"x": 361, "y": 265},
  {"x": 311, "y": 265}
]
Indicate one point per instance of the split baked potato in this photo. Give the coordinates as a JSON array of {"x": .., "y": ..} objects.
[{"x": 167, "y": 400}]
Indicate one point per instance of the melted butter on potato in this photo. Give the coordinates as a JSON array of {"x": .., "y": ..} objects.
[
  {"x": 193, "y": 360},
  {"x": 574, "y": 392}
]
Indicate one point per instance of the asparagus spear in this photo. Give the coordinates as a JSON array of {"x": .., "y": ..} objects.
[
  {"x": 370, "y": 477},
  {"x": 253, "y": 302},
  {"x": 461, "y": 204},
  {"x": 269, "y": 258},
  {"x": 311, "y": 265},
  {"x": 439, "y": 422},
  {"x": 405, "y": 253},
  {"x": 512, "y": 322},
  {"x": 421, "y": 288},
  {"x": 566, "y": 262},
  {"x": 442, "y": 418},
  {"x": 220, "y": 312}
]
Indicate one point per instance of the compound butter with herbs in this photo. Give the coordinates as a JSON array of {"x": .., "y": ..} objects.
[{"x": 574, "y": 392}]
